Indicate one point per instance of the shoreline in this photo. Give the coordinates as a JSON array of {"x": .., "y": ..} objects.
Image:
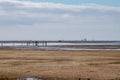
[{"x": 63, "y": 47}]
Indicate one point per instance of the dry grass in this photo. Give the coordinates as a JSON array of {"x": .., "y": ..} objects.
[{"x": 60, "y": 64}]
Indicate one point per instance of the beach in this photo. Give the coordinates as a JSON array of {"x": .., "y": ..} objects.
[{"x": 68, "y": 65}]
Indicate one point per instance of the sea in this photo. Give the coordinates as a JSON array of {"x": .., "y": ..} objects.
[{"x": 55, "y": 46}]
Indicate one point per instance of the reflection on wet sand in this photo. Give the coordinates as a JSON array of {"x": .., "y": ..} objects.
[{"x": 20, "y": 78}]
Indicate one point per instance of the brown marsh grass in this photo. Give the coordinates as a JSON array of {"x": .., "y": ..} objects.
[{"x": 60, "y": 65}]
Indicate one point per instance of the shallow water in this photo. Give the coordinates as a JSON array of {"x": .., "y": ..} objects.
[
  {"x": 73, "y": 49},
  {"x": 64, "y": 48},
  {"x": 29, "y": 79},
  {"x": 53, "y": 44},
  {"x": 20, "y": 78}
]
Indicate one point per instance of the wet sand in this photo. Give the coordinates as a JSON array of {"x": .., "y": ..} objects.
[
  {"x": 69, "y": 65},
  {"x": 62, "y": 47}
]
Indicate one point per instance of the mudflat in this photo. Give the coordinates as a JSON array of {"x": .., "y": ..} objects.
[{"x": 96, "y": 65}]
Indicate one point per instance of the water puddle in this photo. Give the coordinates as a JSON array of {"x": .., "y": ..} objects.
[
  {"x": 29, "y": 79},
  {"x": 68, "y": 49},
  {"x": 21, "y": 79}
]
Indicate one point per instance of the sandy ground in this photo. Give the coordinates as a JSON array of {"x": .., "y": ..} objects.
[{"x": 68, "y": 65}]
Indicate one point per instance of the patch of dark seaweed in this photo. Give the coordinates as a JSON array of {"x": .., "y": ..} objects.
[
  {"x": 114, "y": 62},
  {"x": 95, "y": 64}
]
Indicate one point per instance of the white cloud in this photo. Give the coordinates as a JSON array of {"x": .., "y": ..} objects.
[{"x": 73, "y": 19}]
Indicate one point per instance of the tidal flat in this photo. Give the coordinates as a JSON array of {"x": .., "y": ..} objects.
[{"x": 60, "y": 65}]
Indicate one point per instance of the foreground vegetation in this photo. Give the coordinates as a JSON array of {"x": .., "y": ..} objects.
[{"x": 60, "y": 65}]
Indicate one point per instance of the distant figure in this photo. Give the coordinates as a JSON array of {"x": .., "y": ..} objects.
[
  {"x": 36, "y": 43},
  {"x": 85, "y": 39}
]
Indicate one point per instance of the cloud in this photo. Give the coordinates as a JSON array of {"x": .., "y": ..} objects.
[{"x": 37, "y": 18}]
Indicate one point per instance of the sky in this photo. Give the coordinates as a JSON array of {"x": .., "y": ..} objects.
[
  {"x": 59, "y": 19},
  {"x": 77, "y": 2}
]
